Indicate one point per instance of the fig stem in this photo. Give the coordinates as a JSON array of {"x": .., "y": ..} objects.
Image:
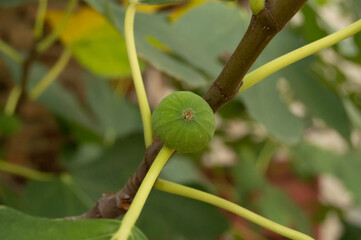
[
  {"x": 51, "y": 38},
  {"x": 142, "y": 194},
  {"x": 49, "y": 78},
  {"x": 281, "y": 62},
  {"x": 136, "y": 73},
  {"x": 25, "y": 172},
  {"x": 188, "y": 192},
  {"x": 11, "y": 52},
  {"x": 13, "y": 100},
  {"x": 40, "y": 19}
]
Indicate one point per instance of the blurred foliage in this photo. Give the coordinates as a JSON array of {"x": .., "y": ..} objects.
[{"x": 102, "y": 134}]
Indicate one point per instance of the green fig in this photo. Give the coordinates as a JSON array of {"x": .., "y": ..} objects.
[{"x": 184, "y": 121}]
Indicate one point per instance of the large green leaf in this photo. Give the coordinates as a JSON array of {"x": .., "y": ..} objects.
[
  {"x": 59, "y": 197},
  {"x": 93, "y": 170},
  {"x": 18, "y": 226},
  {"x": 192, "y": 54},
  {"x": 60, "y": 101},
  {"x": 310, "y": 28},
  {"x": 9, "y": 197},
  {"x": 109, "y": 169},
  {"x": 265, "y": 105},
  {"x": 320, "y": 101},
  {"x": 348, "y": 172},
  {"x": 181, "y": 169},
  {"x": 167, "y": 216},
  {"x": 309, "y": 160},
  {"x": 115, "y": 116}
]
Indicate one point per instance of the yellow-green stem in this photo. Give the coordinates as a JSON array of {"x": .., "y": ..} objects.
[
  {"x": 136, "y": 73},
  {"x": 294, "y": 56},
  {"x": 138, "y": 202},
  {"x": 178, "y": 189},
  {"x": 51, "y": 75},
  {"x": 24, "y": 171},
  {"x": 40, "y": 18},
  {"x": 11, "y": 52},
  {"x": 265, "y": 156},
  {"x": 13, "y": 100},
  {"x": 51, "y": 38}
]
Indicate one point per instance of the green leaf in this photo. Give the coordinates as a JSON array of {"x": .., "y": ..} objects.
[
  {"x": 245, "y": 173},
  {"x": 277, "y": 206},
  {"x": 93, "y": 170},
  {"x": 182, "y": 170},
  {"x": 353, "y": 112},
  {"x": 308, "y": 160},
  {"x": 265, "y": 105},
  {"x": 9, "y": 197},
  {"x": 311, "y": 29},
  {"x": 18, "y": 226},
  {"x": 60, "y": 197},
  {"x": 167, "y": 216},
  {"x": 319, "y": 100},
  {"x": 60, "y": 101},
  {"x": 109, "y": 169},
  {"x": 115, "y": 116},
  {"x": 194, "y": 52},
  {"x": 348, "y": 172},
  {"x": 355, "y": 6}
]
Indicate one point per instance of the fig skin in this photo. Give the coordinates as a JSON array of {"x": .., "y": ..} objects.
[{"x": 184, "y": 121}]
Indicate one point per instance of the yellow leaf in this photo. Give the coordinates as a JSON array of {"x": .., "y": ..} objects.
[
  {"x": 94, "y": 42},
  {"x": 81, "y": 23}
]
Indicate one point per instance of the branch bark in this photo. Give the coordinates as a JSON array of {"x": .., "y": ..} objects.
[{"x": 262, "y": 28}]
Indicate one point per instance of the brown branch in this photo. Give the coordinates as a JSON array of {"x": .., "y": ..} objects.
[
  {"x": 263, "y": 27},
  {"x": 112, "y": 205}
]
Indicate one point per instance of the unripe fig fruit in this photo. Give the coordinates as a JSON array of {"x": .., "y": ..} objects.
[{"x": 184, "y": 121}]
